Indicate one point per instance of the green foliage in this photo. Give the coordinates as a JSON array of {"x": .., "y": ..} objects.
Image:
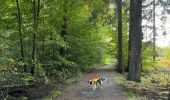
[
  {"x": 147, "y": 61},
  {"x": 167, "y": 53},
  {"x": 112, "y": 40},
  {"x": 9, "y": 80},
  {"x": 64, "y": 75},
  {"x": 52, "y": 94},
  {"x": 90, "y": 39},
  {"x": 10, "y": 77},
  {"x": 40, "y": 75},
  {"x": 120, "y": 79},
  {"x": 107, "y": 59},
  {"x": 86, "y": 43}
]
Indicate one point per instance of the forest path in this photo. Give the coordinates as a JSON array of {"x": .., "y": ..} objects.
[{"x": 81, "y": 91}]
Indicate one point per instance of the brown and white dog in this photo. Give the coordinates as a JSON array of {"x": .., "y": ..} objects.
[{"x": 95, "y": 80}]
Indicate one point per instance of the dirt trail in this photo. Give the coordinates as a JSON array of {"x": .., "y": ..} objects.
[{"x": 81, "y": 91}]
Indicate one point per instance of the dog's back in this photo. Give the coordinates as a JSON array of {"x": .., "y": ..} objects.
[{"x": 95, "y": 78}]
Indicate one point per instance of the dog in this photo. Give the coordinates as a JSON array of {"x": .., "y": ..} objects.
[{"x": 95, "y": 80}]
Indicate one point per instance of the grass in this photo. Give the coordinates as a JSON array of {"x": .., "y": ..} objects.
[
  {"x": 150, "y": 84},
  {"x": 120, "y": 79},
  {"x": 131, "y": 96}
]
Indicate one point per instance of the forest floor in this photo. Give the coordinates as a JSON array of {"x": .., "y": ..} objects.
[
  {"x": 116, "y": 87},
  {"x": 81, "y": 91},
  {"x": 78, "y": 90}
]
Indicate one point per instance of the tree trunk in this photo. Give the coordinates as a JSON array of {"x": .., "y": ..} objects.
[
  {"x": 119, "y": 59},
  {"x": 43, "y": 43},
  {"x": 64, "y": 32},
  {"x": 129, "y": 43},
  {"x": 154, "y": 32},
  {"x": 36, "y": 14},
  {"x": 53, "y": 49},
  {"x": 169, "y": 94},
  {"x": 21, "y": 35},
  {"x": 135, "y": 40}
]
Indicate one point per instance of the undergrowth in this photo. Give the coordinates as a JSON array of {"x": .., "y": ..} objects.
[
  {"x": 52, "y": 94},
  {"x": 152, "y": 86}
]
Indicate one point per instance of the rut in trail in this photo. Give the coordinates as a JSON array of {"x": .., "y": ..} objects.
[{"x": 81, "y": 91}]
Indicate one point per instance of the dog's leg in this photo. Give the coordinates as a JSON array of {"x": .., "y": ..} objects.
[
  {"x": 94, "y": 85},
  {"x": 100, "y": 82}
]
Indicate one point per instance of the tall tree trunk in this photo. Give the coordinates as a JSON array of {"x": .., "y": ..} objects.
[
  {"x": 43, "y": 43},
  {"x": 20, "y": 34},
  {"x": 154, "y": 32},
  {"x": 119, "y": 59},
  {"x": 135, "y": 40},
  {"x": 169, "y": 95},
  {"x": 36, "y": 11},
  {"x": 129, "y": 45},
  {"x": 53, "y": 49},
  {"x": 33, "y": 38},
  {"x": 64, "y": 32}
]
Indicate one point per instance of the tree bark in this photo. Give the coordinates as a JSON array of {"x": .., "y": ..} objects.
[
  {"x": 53, "y": 49},
  {"x": 129, "y": 43},
  {"x": 154, "y": 32},
  {"x": 43, "y": 42},
  {"x": 20, "y": 34},
  {"x": 36, "y": 14},
  {"x": 64, "y": 32},
  {"x": 120, "y": 68},
  {"x": 135, "y": 40},
  {"x": 169, "y": 94}
]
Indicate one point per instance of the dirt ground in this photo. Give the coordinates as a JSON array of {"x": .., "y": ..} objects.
[{"x": 81, "y": 91}]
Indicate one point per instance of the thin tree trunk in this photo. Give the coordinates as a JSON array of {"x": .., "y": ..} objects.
[
  {"x": 169, "y": 95},
  {"x": 52, "y": 46},
  {"x": 38, "y": 12},
  {"x": 119, "y": 59},
  {"x": 63, "y": 35},
  {"x": 20, "y": 34},
  {"x": 64, "y": 32},
  {"x": 154, "y": 32},
  {"x": 129, "y": 49},
  {"x": 34, "y": 38},
  {"x": 43, "y": 36},
  {"x": 129, "y": 43},
  {"x": 136, "y": 40},
  {"x": 36, "y": 17},
  {"x": 43, "y": 43}
]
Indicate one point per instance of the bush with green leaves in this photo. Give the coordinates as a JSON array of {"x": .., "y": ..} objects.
[
  {"x": 9, "y": 80},
  {"x": 147, "y": 60}
]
